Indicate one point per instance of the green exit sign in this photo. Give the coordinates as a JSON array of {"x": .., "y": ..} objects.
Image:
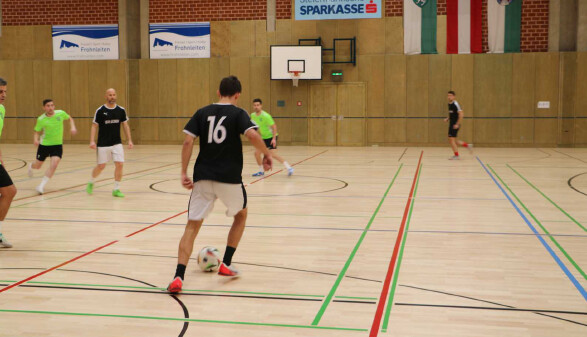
[{"x": 336, "y": 75}]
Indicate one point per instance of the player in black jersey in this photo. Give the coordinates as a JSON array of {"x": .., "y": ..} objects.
[
  {"x": 217, "y": 172},
  {"x": 455, "y": 117},
  {"x": 108, "y": 118},
  {"x": 7, "y": 188}
]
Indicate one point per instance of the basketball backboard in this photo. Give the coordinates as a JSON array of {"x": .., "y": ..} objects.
[{"x": 304, "y": 60}]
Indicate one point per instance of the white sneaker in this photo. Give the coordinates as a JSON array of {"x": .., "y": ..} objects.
[
  {"x": 454, "y": 158},
  {"x": 290, "y": 171},
  {"x": 30, "y": 170},
  {"x": 40, "y": 189},
  {"x": 4, "y": 243},
  {"x": 470, "y": 148}
]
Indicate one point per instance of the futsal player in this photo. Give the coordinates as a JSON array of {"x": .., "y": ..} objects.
[
  {"x": 50, "y": 144},
  {"x": 107, "y": 120},
  {"x": 217, "y": 172},
  {"x": 7, "y": 188},
  {"x": 268, "y": 131},
  {"x": 455, "y": 117}
]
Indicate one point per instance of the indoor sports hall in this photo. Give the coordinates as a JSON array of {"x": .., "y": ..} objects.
[{"x": 428, "y": 168}]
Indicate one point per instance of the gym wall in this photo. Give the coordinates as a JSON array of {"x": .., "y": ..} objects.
[{"x": 405, "y": 95}]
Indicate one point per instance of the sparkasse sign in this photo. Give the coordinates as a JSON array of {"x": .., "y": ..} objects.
[{"x": 337, "y": 9}]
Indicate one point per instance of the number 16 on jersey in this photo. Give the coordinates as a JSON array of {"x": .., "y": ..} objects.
[{"x": 216, "y": 132}]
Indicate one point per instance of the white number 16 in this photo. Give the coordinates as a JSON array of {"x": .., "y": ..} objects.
[{"x": 218, "y": 132}]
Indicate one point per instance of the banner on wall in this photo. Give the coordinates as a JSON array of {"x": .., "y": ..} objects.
[
  {"x": 91, "y": 42},
  {"x": 337, "y": 9},
  {"x": 179, "y": 40}
]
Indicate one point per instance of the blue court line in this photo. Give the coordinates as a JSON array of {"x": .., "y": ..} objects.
[
  {"x": 306, "y": 228},
  {"x": 537, "y": 234}
]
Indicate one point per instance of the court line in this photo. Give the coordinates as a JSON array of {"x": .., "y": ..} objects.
[
  {"x": 179, "y": 319},
  {"x": 394, "y": 257},
  {"x": 542, "y": 241},
  {"x": 399, "y": 260},
  {"x": 547, "y": 198},
  {"x": 113, "y": 242},
  {"x": 493, "y": 308},
  {"x": 276, "y": 172},
  {"x": 567, "y": 255},
  {"x": 347, "y": 264},
  {"x": 400, "y": 158},
  {"x": 570, "y": 183}
]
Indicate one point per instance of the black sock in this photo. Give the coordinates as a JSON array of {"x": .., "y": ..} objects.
[
  {"x": 180, "y": 271},
  {"x": 228, "y": 253}
]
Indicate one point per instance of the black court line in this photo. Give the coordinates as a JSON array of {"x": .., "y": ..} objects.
[
  {"x": 17, "y": 159},
  {"x": 400, "y": 157},
  {"x": 570, "y": 183},
  {"x": 445, "y": 306},
  {"x": 568, "y": 155}
]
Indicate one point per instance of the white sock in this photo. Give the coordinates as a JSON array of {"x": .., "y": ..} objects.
[
  {"x": 287, "y": 166},
  {"x": 30, "y": 166},
  {"x": 1, "y": 222},
  {"x": 44, "y": 181},
  {"x": 116, "y": 185},
  {"x": 261, "y": 169},
  {"x": 91, "y": 180}
]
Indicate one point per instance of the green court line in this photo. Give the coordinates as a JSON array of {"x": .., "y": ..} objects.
[
  {"x": 400, "y": 257},
  {"x": 102, "y": 185},
  {"x": 571, "y": 260},
  {"x": 547, "y": 198},
  {"x": 330, "y": 295},
  {"x": 178, "y": 319},
  {"x": 186, "y": 290}
]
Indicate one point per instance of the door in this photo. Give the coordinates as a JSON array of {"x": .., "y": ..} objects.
[{"x": 337, "y": 114}]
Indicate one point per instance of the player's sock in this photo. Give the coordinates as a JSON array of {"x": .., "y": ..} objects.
[
  {"x": 228, "y": 253},
  {"x": 1, "y": 222},
  {"x": 261, "y": 169},
  {"x": 456, "y": 154},
  {"x": 44, "y": 182},
  {"x": 287, "y": 166},
  {"x": 116, "y": 185},
  {"x": 180, "y": 271},
  {"x": 91, "y": 181},
  {"x": 465, "y": 144}
]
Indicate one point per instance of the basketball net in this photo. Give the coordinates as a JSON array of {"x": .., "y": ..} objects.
[{"x": 295, "y": 77}]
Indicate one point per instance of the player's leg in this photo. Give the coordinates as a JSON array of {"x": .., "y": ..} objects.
[
  {"x": 234, "y": 196},
  {"x": 54, "y": 162},
  {"x": 279, "y": 158},
  {"x": 453, "y": 145},
  {"x": 103, "y": 155},
  {"x": 260, "y": 163},
  {"x": 468, "y": 146},
  {"x": 7, "y": 193},
  {"x": 200, "y": 205},
  {"x": 40, "y": 159},
  {"x": 118, "y": 157}
]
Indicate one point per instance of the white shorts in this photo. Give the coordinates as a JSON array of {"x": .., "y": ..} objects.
[
  {"x": 205, "y": 193},
  {"x": 107, "y": 153}
]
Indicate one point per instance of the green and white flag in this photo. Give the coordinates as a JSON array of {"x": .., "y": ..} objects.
[
  {"x": 420, "y": 26},
  {"x": 504, "y": 20}
]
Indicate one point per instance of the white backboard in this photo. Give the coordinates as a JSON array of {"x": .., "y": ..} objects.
[{"x": 306, "y": 59}]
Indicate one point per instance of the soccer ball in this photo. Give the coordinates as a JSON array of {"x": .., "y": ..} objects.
[{"x": 209, "y": 259}]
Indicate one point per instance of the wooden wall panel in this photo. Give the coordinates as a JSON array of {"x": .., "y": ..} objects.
[
  {"x": 193, "y": 85},
  {"x": 42, "y": 88},
  {"x": 281, "y": 91},
  {"x": 9, "y": 43},
  {"x": 375, "y": 131},
  {"x": 98, "y": 83},
  {"x": 493, "y": 85},
  {"x": 438, "y": 87},
  {"x": 220, "y": 38},
  {"x": 372, "y": 72},
  {"x": 61, "y": 94},
  {"x": 371, "y": 36},
  {"x": 134, "y": 98},
  {"x": 417, "y": 130},
  {"x": 524, "y": 75},
  {"x": 395, "y": 130},
  {"x": 568, "y": 98},
  {"x": 417, "y": 85},
  {"x": 492, "y": 131},
  {"x": 43, "y": 42},
  {"x": 167, "y": 101},
  {"x": 284, "y": 129},
  {"x": 241, "y": 68},
  {"x": 116, "y": 77},
  {"x": 242, "y": 39},
  {"x": 79, "y": 99},
  {"x": 547, "y": 86},
  {"x": 303, "y": 30},
  {"x": 283, "y": 32},
  {"x": 395, "y": 85},
  {"x": 462, "y": 79},
  {"x": 299, "y": 94},
  {"x": 394, "y": 35},
  {"x": 441, "y": 34},
  {"x": 581, "y": 102},
  {"x": 545, "y": 131},
  {"x": 261, "y": 41},
  {"x": 149, "y": 102},
  {"x": 260, "y": 83},
  {"x": 26, "y": 42},
  {"x": 219, "y": 68},
  {"x": 7, "y": 72},
  {"x": 580, "y": 132},
  {"x": 23, "y": 91},
  {"x": 522, "y": 131}
]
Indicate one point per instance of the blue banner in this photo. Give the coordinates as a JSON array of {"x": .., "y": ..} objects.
[
  {"x": 180, "y": 40},
  {"x": 92, "y": 42},
  {"x": 337, "y": 9}
]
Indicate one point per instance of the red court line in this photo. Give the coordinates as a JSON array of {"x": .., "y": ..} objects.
[
  {"x": 58, "y": 266},
  {"x": 294, "y": 164},
  {"x": 127, "y": 236},
  {"x": 393, "y": 261}
]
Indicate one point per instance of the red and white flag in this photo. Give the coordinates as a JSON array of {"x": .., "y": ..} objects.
[{"x": 463, "y": 27}]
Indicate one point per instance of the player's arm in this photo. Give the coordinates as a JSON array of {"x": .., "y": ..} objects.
[
  {"x": 186, "y": 155},
  {"x": 274, "y": 130},
  {"x": 37, "y": 138},
  {"x": 93, "y": 135},
  {"x": 256, "y": 140},
  {"x": 461, "y": 115},
  {"x": 127, "y": 134},
  {"x": 72, "y": 128}
]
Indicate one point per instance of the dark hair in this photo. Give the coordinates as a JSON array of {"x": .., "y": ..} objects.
[
  {"x": 230, "y": 86},
  {"x": 258, "y": 100},
  {"x": 452, "y": 93},
  {"x": 45, "y": 101},
  {"x": 3, "y": 82}
]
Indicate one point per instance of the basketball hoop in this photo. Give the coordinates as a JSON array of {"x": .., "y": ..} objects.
[{"x": 295, "y": 77}]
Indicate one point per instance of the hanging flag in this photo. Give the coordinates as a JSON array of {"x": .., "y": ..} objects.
[
  {"x": 420, "y": 26},
  {"x": 504, "y": 19},
  {"x": 463, "y": 27}
]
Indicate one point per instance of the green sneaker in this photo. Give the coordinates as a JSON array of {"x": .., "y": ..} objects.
[
  {"x": 117, "y": 193},
  {"x": 90, "y": 188}
]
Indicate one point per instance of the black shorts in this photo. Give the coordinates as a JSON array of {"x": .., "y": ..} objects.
[
  {"x": 4, "y": 177},
  {"x": 49, "y": 151},
  {"x": 268, "y": 143},
  {"x": 452, "y": 132}
]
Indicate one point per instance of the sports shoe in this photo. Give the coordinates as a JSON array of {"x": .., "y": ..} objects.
[
  {"x": 4, "y": 243},
  {"x": 470, "y": 148},
  {"x": 117, "y": 193},
  {"x": 175, "y": 286},
  {"x": 30, "y": 170},
  {"x": 454, "y": 158},
  {"x": 290, "y": 171},
  {"x": 225, "y": 270},
  {"x": 258, "y": 174},
  {"x": 90, "y": 188},
  {"x": 40, "y": 189}
]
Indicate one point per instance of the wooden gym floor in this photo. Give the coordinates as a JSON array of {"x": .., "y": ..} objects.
[{"x": 360, "y": 241}]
